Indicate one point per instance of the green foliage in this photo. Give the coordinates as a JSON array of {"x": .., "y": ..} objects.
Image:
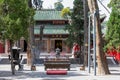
[
  {"x": 65, "y": 12},
  {"x": 58, "y": 6},
  {"x": 114, "y": 3},
  {"x": 16, "y": 17},
  {"x": 113, "y": 26},
  {"x": 76, "y": 28}
]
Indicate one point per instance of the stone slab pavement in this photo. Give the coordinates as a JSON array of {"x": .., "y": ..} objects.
[{"x": 40, "y": 74}]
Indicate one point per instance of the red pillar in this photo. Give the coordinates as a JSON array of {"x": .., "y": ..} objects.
[{"x": 2, "y": 48}]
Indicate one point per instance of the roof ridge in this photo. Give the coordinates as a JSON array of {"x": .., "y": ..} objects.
[{"x": 47, "y": 10}]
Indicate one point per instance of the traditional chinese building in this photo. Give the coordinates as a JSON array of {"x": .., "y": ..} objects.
[{"x": 54, "y": 33}]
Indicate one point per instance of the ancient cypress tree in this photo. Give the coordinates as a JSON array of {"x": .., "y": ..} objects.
[
  {"x": 101, "y": 59},
  {"x": 113, "y": 26},
  {"x": 77, "y": 23},
  {"x": 58, "y": 6},
  {"x": 15, "y": 16}
]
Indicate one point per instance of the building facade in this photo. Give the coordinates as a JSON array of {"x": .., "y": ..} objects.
[{"x": 54, "y": 33}]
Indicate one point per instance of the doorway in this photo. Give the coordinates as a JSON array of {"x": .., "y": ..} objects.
[
  {"x": 58, "y": 44},
  {"x": 25, "y": 46}
]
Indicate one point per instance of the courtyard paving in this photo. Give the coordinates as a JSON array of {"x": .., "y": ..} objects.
[{"x": 40, "y": 74}]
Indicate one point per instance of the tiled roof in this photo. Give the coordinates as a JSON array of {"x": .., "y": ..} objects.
[
  {"x": 48, "y": 15},
  {"x": 51, "y": 29}
]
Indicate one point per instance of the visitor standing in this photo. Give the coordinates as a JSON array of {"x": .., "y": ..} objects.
[{"x": 75, "y": 50}]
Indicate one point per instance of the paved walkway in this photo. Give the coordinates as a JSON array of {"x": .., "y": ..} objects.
[{"x": 40, "y": 74}]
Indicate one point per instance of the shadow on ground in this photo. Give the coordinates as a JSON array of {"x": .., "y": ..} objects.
[{"x": 37, "y": 74}]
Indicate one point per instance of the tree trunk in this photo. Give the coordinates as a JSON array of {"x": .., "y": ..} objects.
[
  {"x": 85, "y": 51},
  {"x": 85, "y": 30},
  {"x": 29, "y": 56},
  {"x": 31, "y": 47},
  {"x": 101, "y": 59},
  {"x": 41, "y": 35},
  {"x": 12, "y": 65}
]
